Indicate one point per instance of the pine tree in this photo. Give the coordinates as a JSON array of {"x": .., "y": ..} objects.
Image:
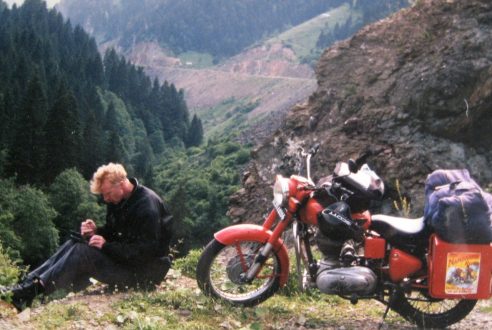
[
  {"x": 4, "y": 122},
  {"x": 195, "y": 132},
  {"x": 143, "y": 159},
  {"x": 114, "y": 148},
  {"x": 110, "y": 120},
  {"x": 62, "y": 135},
  {"x": 93, "y": 154},
  {"x": 27, "y": 152}
]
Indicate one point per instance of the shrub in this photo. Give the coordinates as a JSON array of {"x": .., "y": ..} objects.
[
  {"x": 9, "y": 270},
  {"x": 187, "y": 265}
]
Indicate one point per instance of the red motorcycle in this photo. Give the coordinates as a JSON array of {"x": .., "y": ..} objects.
[{"x": 397, "y": 261}]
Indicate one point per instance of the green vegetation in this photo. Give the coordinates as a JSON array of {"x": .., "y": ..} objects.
[
  {"x": 62, "y": 105},
  {"x": 402, "y": 204},
  {"x": 187, "y": 266},
  {"x": 196, "y": 60},
  {"x": 64, "y": 111},
  {"x": 228, "y": 116},
  {"x": 69, "y": 194},
  {"x": 33, "y": 221},
  {"x": 311, "y": 38},
  {"x": 197, "y": 183},
  {"x": 303, "y": 38},
  {"x": 9, "y": 269},
  {"x": 487, "y": 309}
]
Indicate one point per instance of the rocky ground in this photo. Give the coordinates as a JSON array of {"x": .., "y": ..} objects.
[{"x": 98, "y": 303}]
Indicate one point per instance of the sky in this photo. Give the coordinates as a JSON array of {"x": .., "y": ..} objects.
[{"x": 51, "y": 3}]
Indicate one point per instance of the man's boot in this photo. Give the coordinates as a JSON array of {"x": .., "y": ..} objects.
[{"x": 23, "y": 293}]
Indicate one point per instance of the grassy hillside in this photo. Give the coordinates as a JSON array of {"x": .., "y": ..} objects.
[
  {"x": 178, "y": 304},
  {"x": 302, "y": 38}
]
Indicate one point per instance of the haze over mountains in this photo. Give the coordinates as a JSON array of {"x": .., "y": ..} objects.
[
  {"x": 49, "y": 3},
  {"x": 238, "y": 62}
]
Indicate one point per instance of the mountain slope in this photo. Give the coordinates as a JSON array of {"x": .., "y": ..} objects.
[
  {"x": 415, "y": 88},
  {"x": 220, "y": 27},
  {"x": 259, "y": 77}
]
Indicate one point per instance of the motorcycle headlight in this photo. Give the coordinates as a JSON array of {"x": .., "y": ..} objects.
[{"x": 281, "y": 191}]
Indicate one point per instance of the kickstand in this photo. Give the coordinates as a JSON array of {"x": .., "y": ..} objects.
[
  {"x": 390, "y": 302},
  {"x": 384, "y": 316}
]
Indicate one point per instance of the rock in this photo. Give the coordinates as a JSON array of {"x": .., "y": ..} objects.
[
  {"x": 25, "y": 315},
  {"x": 236, "y": 212},
  {"x": 417, "y": 86}
]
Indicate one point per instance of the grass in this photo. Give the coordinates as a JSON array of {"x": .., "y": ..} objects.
[
  {"x": 59, "y": 315},
  {"x": 186, "y": 308},
  {"x": 229, "y": 115},
  {"x": 196, "y": 60},
  {"x": 486, "y": 309},
  {"x": 402, "y": 205},
  {"x": 302, "y": 38},
  {"x": 179, "y": 304}
]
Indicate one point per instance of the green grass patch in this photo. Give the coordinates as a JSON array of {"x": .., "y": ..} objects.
[
  {"x": 62, "y": 315},
  {"x": 196, "y": 60},
  {"x": 302, "y": 38},
  {"x": 187, "y": 265},
  {"x": 486, "y": 309},
  {"x": 228, "y": 116}
]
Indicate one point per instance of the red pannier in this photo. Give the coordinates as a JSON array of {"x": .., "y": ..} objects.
[{"x": 459, "y": 271}]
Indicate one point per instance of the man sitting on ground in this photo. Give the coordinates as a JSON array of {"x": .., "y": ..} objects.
[{"x": 130, "y": 250}]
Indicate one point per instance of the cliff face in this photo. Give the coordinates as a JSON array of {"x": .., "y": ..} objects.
[{"x": 416, "y": 88}]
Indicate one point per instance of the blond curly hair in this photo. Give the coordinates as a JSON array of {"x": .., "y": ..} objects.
[{"x": 115, "y": 173}]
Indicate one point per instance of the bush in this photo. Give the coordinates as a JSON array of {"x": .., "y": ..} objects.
[
  {"x": 70, "y": 197},
  {"x": 187, "y": 265},
  {"x": 33, "y": 223},
  {"x": 9, "y": 270}
]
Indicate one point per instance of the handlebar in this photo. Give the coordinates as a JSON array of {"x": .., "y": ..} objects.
[
  {"x": 314, "y": 149},
  {"x": 355, "y": 165}
]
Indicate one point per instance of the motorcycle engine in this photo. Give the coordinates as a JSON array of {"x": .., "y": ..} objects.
[{"x": 356, "y": 280}]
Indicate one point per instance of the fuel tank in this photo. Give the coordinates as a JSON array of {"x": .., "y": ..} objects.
[{"x": 346, "y": 280}]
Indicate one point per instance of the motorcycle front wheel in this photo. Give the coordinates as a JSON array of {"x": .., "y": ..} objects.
[
  {"x": 428, "y": 312},
  {"x": 221, "y": 268}
]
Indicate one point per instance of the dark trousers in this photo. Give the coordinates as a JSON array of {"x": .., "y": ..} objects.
[{"x": 74, "y": 263}]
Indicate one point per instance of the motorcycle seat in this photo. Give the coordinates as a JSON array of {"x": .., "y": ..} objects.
[{"x": 403, "y": 225}]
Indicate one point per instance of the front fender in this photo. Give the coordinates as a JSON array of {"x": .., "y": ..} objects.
[{"x": 255, "y": 233}]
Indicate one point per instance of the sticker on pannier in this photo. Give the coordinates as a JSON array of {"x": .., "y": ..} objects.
[{"x": 462, "y": 273}]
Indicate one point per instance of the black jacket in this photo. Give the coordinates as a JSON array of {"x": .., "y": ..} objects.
[{"x": 137, "y": 230}]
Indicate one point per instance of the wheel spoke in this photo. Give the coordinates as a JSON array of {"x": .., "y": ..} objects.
[
  {"x": 230, "y": 264},
  {"x": 428, "y": 312},
  {"x": 431, "y": 306},
  {"x": 241, "y": 256}
]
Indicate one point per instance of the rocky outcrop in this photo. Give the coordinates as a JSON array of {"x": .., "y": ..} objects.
[{"x": 416, "y": 88}]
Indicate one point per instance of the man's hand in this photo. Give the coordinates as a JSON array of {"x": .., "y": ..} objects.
[
  {"x": 88, "y": 228},
  {"x": 97, "y": 241}
]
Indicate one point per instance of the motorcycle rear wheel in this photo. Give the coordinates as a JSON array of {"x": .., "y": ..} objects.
[
  {"x": 219, "y": 272},
  {"x": 427, "y": 312}
]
